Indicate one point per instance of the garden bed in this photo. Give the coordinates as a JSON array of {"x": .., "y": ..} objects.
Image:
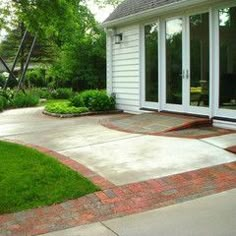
[{"x": 92, "y": 113}]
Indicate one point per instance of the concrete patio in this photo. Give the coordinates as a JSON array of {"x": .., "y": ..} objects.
[
  {"x": 136, "y": 173},
  {"x": 120, "y": 157}
]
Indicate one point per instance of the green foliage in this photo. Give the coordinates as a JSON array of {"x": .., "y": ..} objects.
[
  {"x": 2, "y": 80},
  {"x": 30, "y": 179},
  {"x": 3, "y": 103},
  {"x": 64, "y": 108},
  {"x": 77, "y": 101},
  {"x": 41, "y": 92},
  {"x": 24, "y": 100},
  {"x": 62, "y": 93},
  {"x": 96, "y": 100},
  {"x": 75, "y": 40},
  {"x": 35, "y": 78}
]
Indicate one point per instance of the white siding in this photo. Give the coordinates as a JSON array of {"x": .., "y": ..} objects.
[{"x": 126, "y": 69}]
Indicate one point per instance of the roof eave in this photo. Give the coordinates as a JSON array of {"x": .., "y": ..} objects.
[{"x": 151, "y": 12}]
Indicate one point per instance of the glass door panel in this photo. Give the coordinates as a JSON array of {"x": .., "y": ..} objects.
[
  {"x": 151, "y": 63},
  {"x": 227, "y": 36},
  {"x": 174, "y": 59},
  {"x": 199, "y": 60}
]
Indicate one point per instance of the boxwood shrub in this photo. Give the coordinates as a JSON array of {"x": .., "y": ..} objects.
[
  {"x": 64, "y": 108},
  {"x": 62, "y": 93},
  {"x": 94, "y": 100}
]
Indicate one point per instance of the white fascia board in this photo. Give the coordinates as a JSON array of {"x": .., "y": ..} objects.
[{"x": 153, "y": 12}]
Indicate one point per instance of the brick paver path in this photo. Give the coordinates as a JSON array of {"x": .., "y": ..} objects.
[
  {"x": 166, "y": 124},
  {"x": 115, "y": 201}
]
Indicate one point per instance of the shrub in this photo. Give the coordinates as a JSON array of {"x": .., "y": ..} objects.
[
  {"x": 96, "y": 100},
  {"x": 36, "y": 78},
  {"x": 77, "y": 101},
  {"x": 1, "y": 104},
  {"x": 4, "y": 103},
  {"x": 41, "y": 92},
  {"x": 64, "y": 108},
  {"x": 24, "y": 100},
  {"x": 62, "y": 93}
]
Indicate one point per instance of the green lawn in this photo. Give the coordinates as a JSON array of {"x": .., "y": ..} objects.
[{"x": 29, "y": 179}]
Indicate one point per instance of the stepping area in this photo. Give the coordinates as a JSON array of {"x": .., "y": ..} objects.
[{"x": 166, "y": 124}]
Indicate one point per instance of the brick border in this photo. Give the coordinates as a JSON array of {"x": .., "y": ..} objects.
[{"x": 114, "y": 201}]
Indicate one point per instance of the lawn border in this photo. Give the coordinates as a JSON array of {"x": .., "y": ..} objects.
[{"x": 94, "y": 177}]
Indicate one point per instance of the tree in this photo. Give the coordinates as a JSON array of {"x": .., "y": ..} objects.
[{"x": 77, "y": 40}]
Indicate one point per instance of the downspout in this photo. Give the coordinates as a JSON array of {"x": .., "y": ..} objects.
[{"x": 110, "y": 33}]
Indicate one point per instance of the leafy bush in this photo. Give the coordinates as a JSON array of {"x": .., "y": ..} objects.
[
  {"x": 3, "y": 103},
  {"x": 36, "y": 78},
  {"x": 96, "y": 100},
  {"x": 24, "y": 100},
  {"x": 64, "y": 108},
  {"x": 2, "y": 80},
  {"x": 41, "y": 92},
  {"x": 77, "y": 101},
  {"x": 62, "y": 93}
]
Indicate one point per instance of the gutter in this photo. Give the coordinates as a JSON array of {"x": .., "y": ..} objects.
[{"x": 153, "y": 12}]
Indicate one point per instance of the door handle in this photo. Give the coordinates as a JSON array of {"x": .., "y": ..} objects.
[
  {"x": 183, "y": 74},
  {"x": 187, "y": 74}
]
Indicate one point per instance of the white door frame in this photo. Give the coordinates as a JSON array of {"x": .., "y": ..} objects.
[
  {"x": 165, "y": 105},
  {"x": 217, "y": 111},
  {"x": 144, "y": 103},
  {"x": 188, "y": 108},
  {"x": 213, "y": 110}
]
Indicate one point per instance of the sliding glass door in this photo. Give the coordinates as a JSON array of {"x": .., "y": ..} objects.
[
  {"x": 198, "y": 47},
  {"x": 187, "y": 64},
  {"x": 227, "y": 69},
  {"x": 151, "y": 85},
  {"x": 174, "y": 61}
]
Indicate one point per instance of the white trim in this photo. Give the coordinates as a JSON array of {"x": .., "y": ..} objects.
[{"x": 224, "y": 124}]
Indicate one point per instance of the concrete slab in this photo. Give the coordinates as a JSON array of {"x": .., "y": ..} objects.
[
  {"x": 212, "y": 216},
  {"x": 146, "y": 157},
  {"x": 85, "y": 230},
  {"x": 222, "y": 141}
]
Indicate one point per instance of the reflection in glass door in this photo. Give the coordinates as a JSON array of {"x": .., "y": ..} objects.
[
  {"x": 151, "y": 63},
  {"x": 199, "y": 60},
  {"x": 227, "y": 37},
  {"x": 174, "y": 58}
]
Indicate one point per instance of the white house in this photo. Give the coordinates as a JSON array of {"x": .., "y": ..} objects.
[{"x": 173, "y": 55}]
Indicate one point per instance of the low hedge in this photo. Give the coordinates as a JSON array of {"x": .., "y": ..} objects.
[
  {"x": 64, "y": 108},
  {"x": 62, "y": 93},
  {"x": 94, "y": 100},
  {"x": 24, "y": 100}
]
